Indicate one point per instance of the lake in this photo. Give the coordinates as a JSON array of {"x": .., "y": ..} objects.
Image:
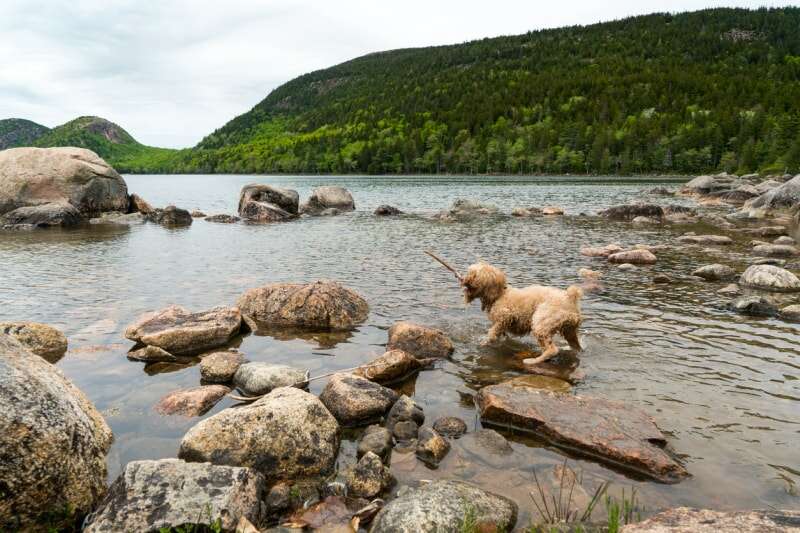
[{"x": 724, "y": 388}]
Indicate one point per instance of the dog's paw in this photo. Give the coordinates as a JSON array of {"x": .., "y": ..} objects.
[{"x": 486, "y": 340}]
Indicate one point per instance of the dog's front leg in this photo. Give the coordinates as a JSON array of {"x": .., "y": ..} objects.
[{"x": 491, "y": 336}]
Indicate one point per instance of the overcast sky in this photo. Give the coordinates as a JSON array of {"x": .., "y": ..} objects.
[{"x": 172, "y": 71}]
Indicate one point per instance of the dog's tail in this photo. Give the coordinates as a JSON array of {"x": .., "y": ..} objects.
[{"x": 574, "y": 293}]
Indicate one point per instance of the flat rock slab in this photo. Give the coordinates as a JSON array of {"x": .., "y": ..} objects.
[
  {"x": 420, "y": 341},
  {"x": 610, "y": 431},
  {"x": 355, "y": 401},
  {"x": 440, "y": 506},
  {"x": 563, "y": 367},
  {"x": 393, "y": 366},
  {"x": 150, "y": 495},
  {"x": 191, "y": 402},
  {"x": 181, "y": 332},
  {"x": 688, "y": 520}
]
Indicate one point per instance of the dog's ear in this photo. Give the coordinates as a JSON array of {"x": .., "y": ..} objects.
[{"x": 492, "y": 283}]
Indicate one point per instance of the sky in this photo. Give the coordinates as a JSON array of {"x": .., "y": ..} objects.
[{"x": 172, "y": 71}]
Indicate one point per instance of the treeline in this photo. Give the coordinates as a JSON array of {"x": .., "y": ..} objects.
[{"x": 697, "y": 92}]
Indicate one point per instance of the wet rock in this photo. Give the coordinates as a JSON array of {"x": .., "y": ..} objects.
[
  {"x": 562, "y": 367},
  {"x": 440, "y": 506},
  {"x": 328, "y": 197},
  {"x": 323, "y": 304},
  {"x": 41, "y": 339},
  {"x": 255, "y": 379},
  {"x": 119, "y": 219},
  {"x": 552, "y": 210},
  {"x": 662, "y": 279},
  {"x": 540, "y": 382},
  {"x": 753, "y": 306},
  {"x": 450, "y": 426},
  {"x": 191, "y": 402},
  {"x": 151, "y": 495},
  {"x": 635, "y": 257},
  {"x": 355, "y": 401},
  {"x": 464, "y": 210},
  {"x": 715, "y": 272},
  {"x": 770, "y": 231},
  {"x": 771, "y": 278},
  {"x": 405, "y": 430},
  {"x": 181, "y": 332},
  {"x": 288, "y": 434},
  {"x": 223, "y": 219},
  {"x": 31, "y": 177},
  {"x": 688, "y": 520},
  {"x": 776, "y": 250},
  {"x": 53, "y": 441},
  {"x": 404, "y": 409},
  {"x": 377, "y": 440},
  {"x": 784, "y": 240},
  {"x": 611, "y": 431},
  {"x": 604, "y": 251},
  {"x": 661, "y": 191},
  {"x": 589, "y": 275},
  {"x": 740, "y": 195},
  {"x": 151, "y": 354},
  {"x": 784, "y": 196},
  {"x": 420, "y": 341},
  {"x": 368, "y": 478},
  {"x": 220, "y": 367},
  {"x": 767, "y": 185},
  {"x": 489, "y": 440},
  {"x": 791, "y": 312},
  {"x": 676, "y": 209},
  {"x": 705, "y": 239},
  {"x": 56, "y": 214},
  {"x": 631, "y": 211},
  {"x": 387, "y": 211},
  {"x": 627, "y": 266},
  {"x": 729, "y": 289},
  {"x": 706, "y": 185},
  {"x": 431, "y": 447},
  {"x": 526, "y": 212},
  {"x": 264, "y": 203},
  {"x": 196, "y": 213},
  {"x": 644, "y": 221},
  {"x": 137, "y": 204},
  {"x": 393, "y": 366},
  {"x": 170, "y": 216}
]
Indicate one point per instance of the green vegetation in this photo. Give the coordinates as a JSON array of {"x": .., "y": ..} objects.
[
  {"x": 19, "y": 132},
  {"x": 689, "y": 93},
  {"x": 109, "y": 141}
]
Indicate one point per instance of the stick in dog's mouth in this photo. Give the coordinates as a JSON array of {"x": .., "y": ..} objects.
[{"x": 458, "y": 276}]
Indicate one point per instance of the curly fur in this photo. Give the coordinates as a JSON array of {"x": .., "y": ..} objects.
[{"x": 536, "y": 310}]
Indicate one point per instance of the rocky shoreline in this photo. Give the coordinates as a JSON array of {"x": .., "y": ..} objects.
[{"x": 273, "y": 461}]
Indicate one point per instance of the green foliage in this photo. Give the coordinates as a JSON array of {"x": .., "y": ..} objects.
[
  {"x": 19, "y": 132},
  {"x": 651, "y": 94}
]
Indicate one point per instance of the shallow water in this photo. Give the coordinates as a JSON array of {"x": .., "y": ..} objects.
[{"x": 724, "y": 388}]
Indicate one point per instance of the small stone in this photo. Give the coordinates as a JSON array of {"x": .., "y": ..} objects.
[
  {"x": 640, "y": 221},
  {"x": 138, "y": 204},
  {"x": 791, "y": 312},
  {"x": 770, "y": 261},
  {"x": 191, "y": 402},
  {"x": 170, "y": 216},
  {"x": 420, "y": 341},
  {"x": 753, "y": 306},
  {"x": 552, "y": 210},
  {"x": 223, "y": 219},
  {"x": 627, "y": 266},
  {"x": 375, "y": 439},
  {"x": 255, "y": 379},
  {"x": 220, "y": 367},
  {"x": 369, "y": 478},
  {"x": 776, "y": 250},
  {"x": 715, "y": 272},
  {"x": 604, "y": 251},
  {"x": 43, "y": 340},
  {"x": 450, "y": 426},
  {"x": 785, "y": 240},
  {"x": 404, "y": 409},
  {"x": 355, "y": 401},
  {"x": 151, "y": 354},
  {"x": 662, "y": 278},
  {"x": 196, "y": 213},
  {"x": 637, "y": 257},
  {"x": 589, "y": 275},
  {"x": 387, "y": 210},
  {"x": 406, "y": 430},
  {"x": 393, "y": 366},
  {"x": 431, "y": 447},
  {"x": 729, "y": 289},
  {"x": 706, "y": 239}
]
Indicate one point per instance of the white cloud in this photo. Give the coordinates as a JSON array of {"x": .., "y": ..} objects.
[{"x": 171, "y": 71}]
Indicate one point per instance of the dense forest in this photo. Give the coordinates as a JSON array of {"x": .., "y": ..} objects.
[
  {"x": 19, "y": 132},
  {"x": 710, "y": 90}
]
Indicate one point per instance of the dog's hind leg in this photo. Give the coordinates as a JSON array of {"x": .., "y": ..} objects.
[
  {"x": 570, "y": 334},
  {"x": 549, "y": 349}
]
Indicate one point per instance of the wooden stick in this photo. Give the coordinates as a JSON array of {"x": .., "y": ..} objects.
[{"x": 459, "y": 277}]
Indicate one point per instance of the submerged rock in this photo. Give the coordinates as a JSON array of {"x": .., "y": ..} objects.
[
  {"x": 386, "y": 211},
  {"x": 431, "y": 447},
  {"x": 53, "y": 442},
  {"x": 753, "y": 306},
  {"x": 715, "y": 272},
  {"x": 220, "y": 367},
  {"x": 223, "y": 219},
  {"x": 441, "y": 506},
  {"x": 265, "y": 203},
  {"x": 610, "y": 431},
  {"x": 286, "y": 435},
  {"x": 631, "y": 211},
  {"x": 634, "y": 257},
  {"x": 688, "y": 520},
  {"x": 152, "y": 354},
  {"x": 153, "y": 495},
  {"x": 526, "y": 212},
  {"x": 323, "y": 304},
  {"x": 377, "y": 440},
  {"x": 463, "y": 210},
  {"x": 390, "y": 367},
  {"x": 771, "y": 278},
  {"x": 368, "y": 478},
  {"x": 729, "y": 289},
  {"x": 601, "y": 251},
  {"x": 191, "y": 402},
  {"x": 328, "y": 197},
  {"x": 450, "y": 426},
  {"x": 255, "y": 379},
  {"x": 420, "y": 341},
  {"x": 181, "y": 332},
  {"x": 170, "y": 216},
  {"x": 404, "y": 409},
  {"x": 41, "y": 339},
  {"x": 355, "y": 401}
]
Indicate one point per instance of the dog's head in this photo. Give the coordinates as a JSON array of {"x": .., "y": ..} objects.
[{"x": 483, "y": 281}]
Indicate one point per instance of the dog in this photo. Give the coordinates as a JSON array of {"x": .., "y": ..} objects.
[{"x": 536, "y": 310}]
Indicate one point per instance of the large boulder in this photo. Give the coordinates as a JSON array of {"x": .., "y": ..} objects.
[
  {"x": 356, "y": 401},
  {"x": 328, "y": 197},
  {"x": 688, "y": 520},
  {"x": 156, "y": 495},
  {"x": 35, "y": 176},
  {"x": 420, "y": 341},
  {"x": 41, "y": 339},
  {"x": 784, "y": 196},
  {"x": 770, "y": 278},
  {"x": 265, "y": 203},
  {"x": 322, "y": 304},
  {"x": 611, "y": 431},
  {"x": 53, "y": 442},
  {"x": 255, "y": 379},
  {"x": 286, "y": 435},
  {"x": 632, "y": 211},
  {"x": 441, "y": 506},
  {"x": 178, "y": 331}
]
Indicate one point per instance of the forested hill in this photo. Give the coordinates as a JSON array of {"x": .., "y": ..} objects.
[{"x": 687, "y": 93}]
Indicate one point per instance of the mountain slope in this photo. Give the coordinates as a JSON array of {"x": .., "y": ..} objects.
[
  {"x": 109, "y": 141},
  {"x": 687, "y": 93},
  {"x": 19, "y": 132}
]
